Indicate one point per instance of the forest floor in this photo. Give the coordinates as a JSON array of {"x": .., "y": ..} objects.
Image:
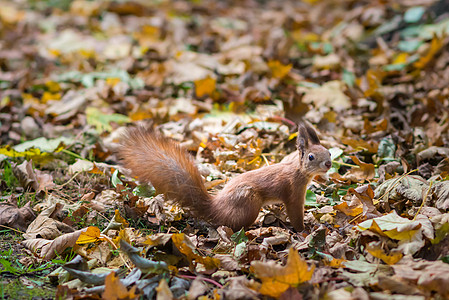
[{"x": 229, "y": 81}]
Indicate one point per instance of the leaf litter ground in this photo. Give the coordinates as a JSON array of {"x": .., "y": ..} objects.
[{"x": 228, "y": 80}]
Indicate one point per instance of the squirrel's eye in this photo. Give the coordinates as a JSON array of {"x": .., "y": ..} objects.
[{"x": 311, "y": 157}]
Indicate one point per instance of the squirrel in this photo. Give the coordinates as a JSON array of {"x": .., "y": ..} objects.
[{"x": 171, "y": 170}]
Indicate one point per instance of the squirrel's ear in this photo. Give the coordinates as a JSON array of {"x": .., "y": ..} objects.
[
  {"x": 313, "y": 137},
  {"x": 302, "y": 142}
]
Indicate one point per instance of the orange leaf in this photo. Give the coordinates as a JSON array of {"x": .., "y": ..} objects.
[
  {"x": 435, "y": 46},
  {"x": 277, "y": 279},
  {"x": 278, "y": 70},
  {"x": 115, "y": 290},
  {"x": 349, "y": 211},
  {"x": 204, "y": 86}
]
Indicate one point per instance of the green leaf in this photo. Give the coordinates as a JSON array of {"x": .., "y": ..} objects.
[
  {"x": 335, "y": 152},
  {"x": 409, "y": 45},
  {"x": 414, "y": 14},
  {"x": 45, "y": 145},
  {"x": 240, "y": 249},
  {"x": 311, "y": 199},
  {"x": 144, "y": 190},
  {"x": 102, "y": 121},
  {"x": 239, "y": 237},
  {"x": 115, "y": 179},
  {"x": 387, "y": 148},
  {"x": 348, "y": 77},
  {"x": 395, "y": 67}
]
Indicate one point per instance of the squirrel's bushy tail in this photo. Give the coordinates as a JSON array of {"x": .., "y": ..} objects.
[{"x": 168, "y": 167}]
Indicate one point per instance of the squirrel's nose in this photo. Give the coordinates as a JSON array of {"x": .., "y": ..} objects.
[{"x": 328, "y": 164}]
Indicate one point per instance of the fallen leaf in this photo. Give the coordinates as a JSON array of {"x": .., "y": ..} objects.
[
  {"x": 46, "y": 227},
  {"x": 186, "y": 247},
  {"x": 204, "y": 87},
  {"x": 278, "y": 70},
  {"x": 163, "y": 291},
  {"x": 115, "y": 290},
  {"x": 375, "y": 249},
  {"x": 50, "y": 248},
  {"x": 14, "y": 217},
  {"x": 277, "y": 279}
]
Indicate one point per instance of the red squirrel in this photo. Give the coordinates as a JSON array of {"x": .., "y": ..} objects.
[{"x": 171, "y": 170}]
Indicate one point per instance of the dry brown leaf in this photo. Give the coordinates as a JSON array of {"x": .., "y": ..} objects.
[
  {"x": 50, "y": 248},
  {"x": 46, "y": 227},
  {"x": 364, "y": 172},
  {"x": 13, "y": 217}
]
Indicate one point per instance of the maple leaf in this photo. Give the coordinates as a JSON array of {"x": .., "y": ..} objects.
[{"x": 277, "y": 279}]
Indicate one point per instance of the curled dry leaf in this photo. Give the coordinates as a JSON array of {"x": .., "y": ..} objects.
[
  {"x": 26, "y": 175},
  {"x": 50, "y": 248},
  {"x": 364, "y": 172},
  {"x": 365, "y": 195},
  {"x": 441, "y": 191},
  {"x": 13, "y": 217},
  {"x": 46, "y": 227},
  {"x": 410, "y": 187}
]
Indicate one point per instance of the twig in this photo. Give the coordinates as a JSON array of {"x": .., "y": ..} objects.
[
  {"x": 204, "y": 279},
  {"x": 345, "y": 164},
  {"x": 396, "y": 183},
  {"x": 13, "y": 229},
  {"x": 423, "y": 200},
  {"x": 265, "y": 159}
]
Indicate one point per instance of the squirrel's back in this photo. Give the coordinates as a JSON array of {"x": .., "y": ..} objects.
[{"x": 170, "y": 169}]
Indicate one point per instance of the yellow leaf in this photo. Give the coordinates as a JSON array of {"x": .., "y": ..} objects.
[
  {"x": 204, "y": 87},
  {"x": 53, "y": 86},
  {"x": 186, "y": 247},
  {"x": 91, "y": 235},
  {"x": 392, "y": 226},
  {"x": 278, "y": 70},
  {"x": 378, "y": 252},
  {"x": 147, "y": 36},
  {"x": 401, "y": 58},
  {"x": 33, "y": 153},
  {"x": 47, "y": 96},
  {"x": 115, "y": 290},
  {"x": 112, "y": 81},
  {"x": 277, "y": 279},
  {"x": 163, "y": 291},
  {"x": 54, "y": 52},
  {"x": 371, "y": 82},
  {"x": 119, "y": 219}
]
